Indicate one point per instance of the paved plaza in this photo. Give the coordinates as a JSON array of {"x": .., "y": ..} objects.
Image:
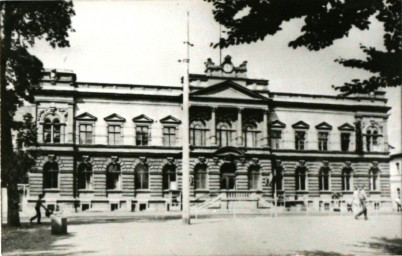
[{"x": 286, "y": 235}]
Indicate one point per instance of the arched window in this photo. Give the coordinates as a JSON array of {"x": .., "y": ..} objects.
[
  {"x": 141, "y": 176},
  {"x": 168, "y": 176},
  {"x": 372, "y": 138},
  {"x": 113, "y": 172},
  {"x": 279, "y": 178},
  {"x": 301, "y": 178},
  {"x": 200, "y": 172},
  {"x": 374, "y": 175},
  {"x": 85, "y": 176},
  {"x": 51, "y": 175},
  {"x": 224, "y": 134},
  {"x": 347, "y": 174},
  {"x": 325, "y": 178},
  {"x": 253, "y": 177},
  {"x": 198, "y": 133},
  {"x": 250, "y": 135},
  {"x": 52, "y": 131}
]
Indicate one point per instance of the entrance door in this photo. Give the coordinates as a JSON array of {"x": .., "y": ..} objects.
[{"x": 228, "y": 178}]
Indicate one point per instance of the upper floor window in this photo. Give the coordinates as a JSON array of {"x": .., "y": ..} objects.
[
  {"x": 169, "y": 136},
  {"x": 200, "y": 172},
  {"x": 325, "y": 178},
  {"x": 141, "y": 135},
  {"x": 301, "y": 178},
  {"x": 224, "y": 134},
  {"x": 276, "y": 139},
  {"x": 85, "y": 176},
  {"x": 250, "y": 134},
  {"x": 51, "y": 131},
  {"x": 300, "y": 138},
  {"x": 374, "y": 175},
  {"x": 323, "y": 141},
  {"x": 50, "y": 175},
  {"x": 141, "y": 176},
  {"x": 114, "y": 134},
  {"x": 371, "y": 139},
  {"x": 198, "y": 133},
  {"x": 113, "y": 173},
  {"x": 86, "y": 133},
  {"x": 347, "y": 174},
  {"x": 345, "y": 141}
]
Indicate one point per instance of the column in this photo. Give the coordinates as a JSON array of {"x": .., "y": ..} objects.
[
  {"x": 213, "y": 126},
  {"x": 239, "y": 127},
  {"x": 265, "y": 135}
]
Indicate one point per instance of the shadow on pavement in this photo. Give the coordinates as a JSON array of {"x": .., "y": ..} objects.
[
  {"x": 319, "y": 253},
  {"x": 392, "y": 246},
  {"x": 33, "y": 240}
]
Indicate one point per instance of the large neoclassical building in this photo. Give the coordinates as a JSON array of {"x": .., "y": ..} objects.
[{"x": 118, "y": 146}]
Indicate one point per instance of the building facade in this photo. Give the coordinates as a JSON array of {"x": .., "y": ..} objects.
[
  {"x": 118, "y": 146},
  {"x": 396, "y": 179}
]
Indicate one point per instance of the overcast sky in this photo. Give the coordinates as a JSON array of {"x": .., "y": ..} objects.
[{"x": 139, "y": 42}]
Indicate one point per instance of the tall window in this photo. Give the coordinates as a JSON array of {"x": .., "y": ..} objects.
[
  {"x": 141, "y": 135},
  {"x": 301, "y": 178},
  {"x": 228, "y": 176},
  {"x": 224, "y": 135},
  {"x": 169, "y": 176},
  {"x": 85, "y": 176},
  {"x": 323, "y": 141},
  {"x": 51, "y": 131},
  {"x": 198, "y": 134},
  {"x": 113, "y": 173},
  {"x": 374, "y": 179},
  {"x": 169, "y": 136},
  {"x": 279, "y": 178},
  {"x": 114, "y": 134},
  {"x": 347, "y": 173},
  {"x": 253, "y": 177},
  {"x": 50, "y": 175},
  {"x": 86, "y": 133},
  {"x": 141, "y": 177},
  {"x": 300, "y": 140},
  {"x": 200, "y": 176},
  {"x": 250, "y": 135},
  {"x": 324, "y": 179},
  {"x": 276, "y": 139},
  {"x": 345, "y": 141},
  {"x": 372, "y": 136}
]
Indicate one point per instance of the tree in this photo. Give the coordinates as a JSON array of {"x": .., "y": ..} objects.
[
  {"x": 21, "y": 24},
  {"x": 324, "y": 21}
]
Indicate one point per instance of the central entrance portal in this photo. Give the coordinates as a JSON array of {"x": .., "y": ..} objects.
[{"x": 228, "y": 178}]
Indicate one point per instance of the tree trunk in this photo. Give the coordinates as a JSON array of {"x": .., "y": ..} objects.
[{"x": 13, "y": 215}]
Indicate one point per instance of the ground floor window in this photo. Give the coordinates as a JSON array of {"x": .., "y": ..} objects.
[
  {"x": 113, "y": 173},
  {"x": 253, "y": 177},
  {"x": 141, "y": 177},
  {"x": 50, "y": 175},
  {"x": 200, "y": 176},
  {"x": 301, "y": 178},
  {"x": 169, "y": 176},
  {"x": 85, "y": 176}
]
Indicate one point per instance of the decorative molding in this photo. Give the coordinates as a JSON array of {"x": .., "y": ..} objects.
[
  {"x": 142, "y": 119},
  {"x": 170, "y": 120},
  {"x": 323, "y": 126},
  {"x": 346, "y": 127},
  {"x": 278, "y": 124},
  {"x": 301, "y": 125},
  {"x": 114, "y": 118},
  {"x": 86, "y": 117}
]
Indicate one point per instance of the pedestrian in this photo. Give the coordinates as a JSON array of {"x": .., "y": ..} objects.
[
  {"x": 38, "y": 205},
  {"x": 355, "y": 205},
  {"x": 398, "y": 200},
  {"x": 362, "y": 198}
]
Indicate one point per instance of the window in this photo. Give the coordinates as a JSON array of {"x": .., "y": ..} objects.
[
  {"x": 169, "y": 136},
  {"x": 141, "y": 135},
  {"x": 141, "y": 176},
  {"x": 345, "y": 141},
  {"x": 323, "y": 141},
  {"x": 50, "y": 175},
  {"x": 276, "y": 139},
  {"x": 300, "y": 140},
  {"x": 372, "y": 138},
  {"x": 224, "y": 135},
  {"x": 114, "y": 134},
  {"x": 347, "y": 179},
  {"x": 324, "y": 177},
  {"x": 198, "y": 133},
  {"x": 113, "y": 176},
  {"x": 169, "y": 176},
  {"x": 200, "y": 176},
  {"x": 250, "y": 135},
  {"x": 253, "y": 177},
  {"x": 86, "y": 133},
  {"x": 301, "y": 178},
  {"x": 228, "y": 176},
  {"x": 279, "y": 178},
  {"x": 51, "y": 131},
  {"x": 374, "y": 179},
  {"x": 85, "y": 176}
]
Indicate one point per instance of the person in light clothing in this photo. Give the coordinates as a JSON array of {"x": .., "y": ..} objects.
[{"x": 362, "y": 198}]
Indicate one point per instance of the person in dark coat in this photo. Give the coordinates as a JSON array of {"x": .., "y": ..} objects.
[{"x": 38, "y": 205}]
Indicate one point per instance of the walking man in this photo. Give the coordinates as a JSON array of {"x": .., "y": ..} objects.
[
  {"x": 362, "y": 198},
  {"x": 37, "y": 209}
]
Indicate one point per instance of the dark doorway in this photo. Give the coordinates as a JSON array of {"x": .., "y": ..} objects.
[{"x": 228, "y": 178}]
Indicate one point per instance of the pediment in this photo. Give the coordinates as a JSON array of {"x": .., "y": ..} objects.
[
  {"x": 323, "y": 126},
  {"x": 143, "y": 119},
  {"x": 227, "y": 90},
  {"x": 301, "y": 125},
  {"x": 115, "y": 118},
  {"x": 170, "y": 120},
  {"x": 86, "y": 117},
  {"x": 278, "y": 124},
  {"x": 346, "y": 127}
]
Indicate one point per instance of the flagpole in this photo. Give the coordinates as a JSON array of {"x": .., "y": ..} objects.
[{"x": 185, "y": 139}]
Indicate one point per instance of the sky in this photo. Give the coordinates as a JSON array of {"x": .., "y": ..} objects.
[{"x": 140, "y": 42}]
